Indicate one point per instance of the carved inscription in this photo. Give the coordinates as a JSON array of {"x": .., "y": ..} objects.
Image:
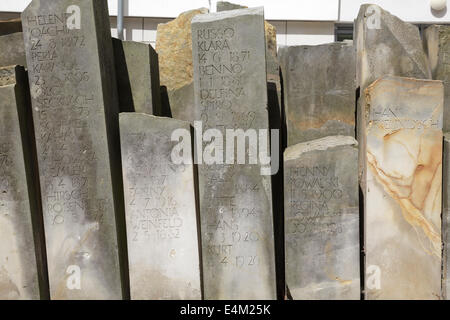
[
  {"x": 235, "y": 206},
  {"x": 68, "y": 99}
]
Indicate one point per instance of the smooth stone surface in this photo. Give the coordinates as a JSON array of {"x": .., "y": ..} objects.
[
  {"x": 319, "y": 90},
  {"x": 12, "y": 50},
  {"x": 322, "y": 219},
  {"x": 75, "y": 113},
  {"x": 436, "y": 40},
  {"x": 174, "y": 48},
  {"x": 22, "y": 257},
  {"x": 235, "y": 199},
  {"x": 161, "y": 214},
  {"x": 446, "y": 218},
  {"x": 403, "y": 190},
  {"x": 137, "y": 73},
  {"x": 385, "y": 45}
]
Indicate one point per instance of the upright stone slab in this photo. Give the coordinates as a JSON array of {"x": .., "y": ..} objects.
[
  {"x": 161, "y": 212},
  {"x": 235, "y": 199},
  {"x": 22, "y": 256},
  {"x": 322, "y": 219},
  {"x": 174, "y": 48},
  {"x": 319, "y": 90},
  {"x": 403, "y": 189},
  {"x": 437, "y": 46},
  {"x": 385, "y": 45},
  {"x": 75, "y": 111},
  {"x": 137, "y": 73},
  {"x": 446, "y": 218},
  {"x": 12, "y": 50}
]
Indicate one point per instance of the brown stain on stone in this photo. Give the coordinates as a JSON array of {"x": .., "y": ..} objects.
[
  {"x": 328, "y": 266},
  {"x": 420, "y": 186},
  {"x": 174, "y": 48}
]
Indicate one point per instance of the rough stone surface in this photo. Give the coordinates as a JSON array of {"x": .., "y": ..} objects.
[
  {"x": 235, "y": 199},
  {"x": 174, "y": 48},
  {"x": 161, "y": 215},
  {"x": 319, "y": 90},
  {"x": 75, "y": 113},
  {"x": 403, "y": 189},
  {"x": 322, "y": 219},
  {"x": 22, "y": 274},
  {"x": 137, "y": 73},
  {"x": 385, "y": 45},
  {"x": 12, "y": 50},
  {"x": 446, "y": 217},
  {"x": 437, "y": 45}
]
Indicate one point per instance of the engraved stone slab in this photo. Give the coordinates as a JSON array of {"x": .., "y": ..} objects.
[
  {"x": 446, "y": 218},
  {"x": 22, "y": 274},
  {"x": 137, "y": 77},
  {"x": 161, "y": 215},
  {"x": 319, "y": 90},
  {"x": 75, "y": 112},
  {"x": 437, "y": 46},
  {"x": 385, "y": 45},
  {"x": 403, "y": 190},
  {"x": 235, "y": 199},
  {"x": 12, "y": 50},
  {"x": 322, "y": 219}
]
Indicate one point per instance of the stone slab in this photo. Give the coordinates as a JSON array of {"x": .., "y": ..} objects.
[
  {"x": 235, "y": 199},
  {"x": 161, "y": 210},
  {"x": 75, "y": 112},
  {"x": 319, "y": 90},
  {"x": 13, "y": 50},
  {"x": 402, "y": 197},
  {"x": 137, "y": 73},
  {"x": 22, "y": 253},
  {"x": 322, "y": 219},
  {"x": 437, "y": 46}
]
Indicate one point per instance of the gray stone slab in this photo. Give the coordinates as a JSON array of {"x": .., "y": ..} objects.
[
  {"x": 235, "y": 199},
  {"x": 403, "y": 191},
  {"x": 446, "y": 217},
  {"x": 385, "y": 45},
  {"x": 22, "y": 256},
  {"x": 12, "y": 50},
  {"x": 319, "y": 90},
  {"x": 437, "y": 45},
  {"x": 322, "y": 219},
  {"x": 161, "y": 211},
  {"x": 137, "y": 73},
  {"x": 75, "y": 112}
]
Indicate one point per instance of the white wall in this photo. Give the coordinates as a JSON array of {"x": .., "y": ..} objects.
[{"x": 297, "y": 21}]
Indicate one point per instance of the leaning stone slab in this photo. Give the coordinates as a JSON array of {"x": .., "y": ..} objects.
[
  {"x": 12, "y": 50},
  {"x": 322, "y": 219},
  {"x": 437, "y": 45},
  {"x": 174, "y": 48},
  {"x": 22, "y": 256},
  {"x": 75, "y": 112},
  {"x": 385, "y": 45},
  {"x": 446, "y": 218},
  {"x": 403, "y": 189},
  {"x": 319, "y": 90},
  {"x": 137, "y": 77},
  {"x": 235, "y": 199},
  {"x": 161, "y": 212}
]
